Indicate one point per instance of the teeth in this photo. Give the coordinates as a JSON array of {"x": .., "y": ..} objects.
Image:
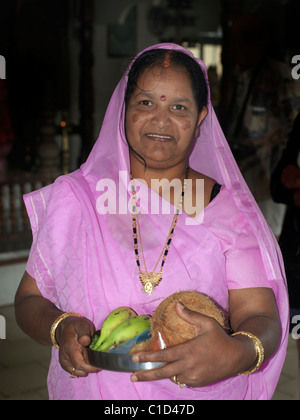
[{"x": 159, "y": 136}]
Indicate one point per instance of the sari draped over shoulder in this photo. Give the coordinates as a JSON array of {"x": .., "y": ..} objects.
[{"x": 83, "y": 261}]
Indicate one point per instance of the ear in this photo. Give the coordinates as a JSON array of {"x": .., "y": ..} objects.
[{"x": 201, "y": 118}]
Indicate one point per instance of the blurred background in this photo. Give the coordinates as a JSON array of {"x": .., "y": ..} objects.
[{"x": 61, "y": 60}]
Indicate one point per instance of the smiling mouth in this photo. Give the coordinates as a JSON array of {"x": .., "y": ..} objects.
[{"x": 159, "y": 137}]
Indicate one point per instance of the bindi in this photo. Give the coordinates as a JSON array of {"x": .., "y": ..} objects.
[
  {"x": 163, "y": 98},
  {"x": 167, "y": 60}
]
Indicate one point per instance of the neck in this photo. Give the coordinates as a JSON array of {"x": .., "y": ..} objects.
[{"x": 148, "y": 173}]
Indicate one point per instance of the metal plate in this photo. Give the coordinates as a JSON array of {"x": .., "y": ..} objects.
[{"x": 118, "y": 362}]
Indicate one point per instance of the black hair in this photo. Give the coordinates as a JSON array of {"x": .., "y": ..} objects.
[{"x": 158, "y": 57}]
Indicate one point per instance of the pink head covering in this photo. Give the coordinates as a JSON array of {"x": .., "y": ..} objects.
[{"x": 91, "y": 268}]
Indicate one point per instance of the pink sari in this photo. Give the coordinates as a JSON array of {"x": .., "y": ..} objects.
[{"x": 84, "y": 261}]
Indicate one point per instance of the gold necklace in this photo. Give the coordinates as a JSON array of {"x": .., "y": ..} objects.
[{"x": 151, "y": 280}]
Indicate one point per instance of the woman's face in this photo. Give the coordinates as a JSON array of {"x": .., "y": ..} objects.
[{"x": 162, "y": 118}]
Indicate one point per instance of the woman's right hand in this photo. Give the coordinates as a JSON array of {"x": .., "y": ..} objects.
[{"x": 73, "y": 336}]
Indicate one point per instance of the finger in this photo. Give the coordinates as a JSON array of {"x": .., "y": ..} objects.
[
  {"x": 165, "y": 372},
  {"x": 167, "y": 355},
  {"x": 81, "y": 371},
  {"x": 85, "y": 340},
  {"x": 192, "y": 317},
  {"x": 81, "y": 363},
  {"x": 75, "y": 373},
  {"x": 84, "y": 331},
  {"x": 75, "y": 356},
  {"x": 89, "y": 367},
  {"x": 183, "y": 311},
  {"x": 82, "y": 360}
]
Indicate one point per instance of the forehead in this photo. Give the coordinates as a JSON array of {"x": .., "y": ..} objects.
[{"x": 173, "y": 78}]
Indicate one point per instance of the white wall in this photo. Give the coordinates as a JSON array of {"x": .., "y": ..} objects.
[{"x": 10, "y": 277}]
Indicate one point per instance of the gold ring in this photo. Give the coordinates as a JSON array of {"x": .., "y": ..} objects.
[
  {"x": 72, "y": 376},
  {"x": 175, "y": 380}
]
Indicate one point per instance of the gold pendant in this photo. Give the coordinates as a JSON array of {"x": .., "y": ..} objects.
[{"x": 150, "y": 281}]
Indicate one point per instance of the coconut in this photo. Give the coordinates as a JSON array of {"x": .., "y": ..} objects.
[{"x": 167, "y": 322}]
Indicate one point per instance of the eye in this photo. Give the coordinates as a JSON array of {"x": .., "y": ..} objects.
[
  {"x": 179, "y": 107},
  {"x": 145, "y": 102}
]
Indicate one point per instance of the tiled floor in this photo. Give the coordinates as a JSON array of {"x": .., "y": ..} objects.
[{"x": 24, "y": 364}]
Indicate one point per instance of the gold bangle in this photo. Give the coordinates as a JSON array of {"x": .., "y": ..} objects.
[
  {"x": 56, "y": 324},
  {"x": 260, "y": 351}
]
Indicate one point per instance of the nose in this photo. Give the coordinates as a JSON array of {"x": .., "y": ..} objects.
[{"x": 161, "y": 118}]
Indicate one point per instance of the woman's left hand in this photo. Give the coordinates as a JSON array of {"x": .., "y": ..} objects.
[{"x": 211, "y": 356}]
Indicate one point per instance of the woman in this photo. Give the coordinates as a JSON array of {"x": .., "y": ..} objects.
[{"x": 88, "y": 262}]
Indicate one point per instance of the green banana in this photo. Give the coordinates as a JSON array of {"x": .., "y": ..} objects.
[
  {"x": 126, "y": 331},
  {"x": 94, "y": 341},
  {"x": 115, "y": 318}
]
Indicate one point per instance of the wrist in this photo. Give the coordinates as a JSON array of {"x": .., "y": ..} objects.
[
  {"x": 251, "y": 352},
  {"x": 57, "y": 327}
]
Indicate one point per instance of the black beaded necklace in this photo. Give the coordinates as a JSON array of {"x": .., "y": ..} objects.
[{"x": 151, "y": 280}]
